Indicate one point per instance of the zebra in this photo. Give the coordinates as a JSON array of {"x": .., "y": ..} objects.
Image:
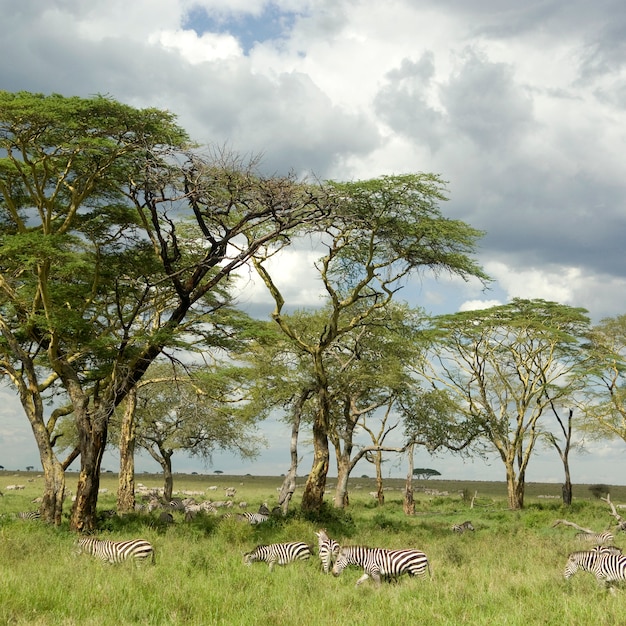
[
  {"x": 281, "y": 553},
  {"x": 601, "y": 539},
  {"x": 607, "y": 564},
  {"x": 252, "y": 518},
  {"x": 378, "y": 562},
  {"x": 461, "y": 528},
  {"x": 29, "y": 515},
  {"x": 328, "y": 549},
  {"x": 117, "y": 551}
]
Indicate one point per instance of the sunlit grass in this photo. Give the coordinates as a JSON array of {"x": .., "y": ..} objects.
[{"x": 509, "y": 571}]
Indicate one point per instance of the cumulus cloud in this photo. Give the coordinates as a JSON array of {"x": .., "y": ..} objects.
[{"x": 520, "y": 106}]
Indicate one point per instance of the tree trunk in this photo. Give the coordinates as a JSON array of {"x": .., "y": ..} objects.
[
  {"x": 378, "y": 464},
  {"x": 313, "y": 495},
  {"x": 567, "y": 486},
  {"x": 51, "y": 508},
  {"x": 289, "y": 484},
  {"x": 515, "y": 488},
  {"x": 343, "y": 473},
  {"x": 92, "y": 443},
  {"x": 409, "y": 503},
  {"x": 168, "y": 478},
  {"x": 126, "y": 482}
]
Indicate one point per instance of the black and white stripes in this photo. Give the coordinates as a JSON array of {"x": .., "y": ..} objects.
[
  {"x": 379, "y": 562},
  {"x": 461, "y": 528},
  {"x": 601, "y": 539},
  {"x": 607, "y": 564},
  {"x": 328, "y": 549},
  {"x": 117, "y": 551},
  {"x": 278, "y": 553},
  {"x": 29, "y": 515},
  {"x": 252, "y": 518}
]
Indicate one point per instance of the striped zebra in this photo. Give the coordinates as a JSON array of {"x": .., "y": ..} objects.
[
  {"x": 377, "y": 562},
  {"x": 606, "y": 564},
  {"x": 278, "y": 553},
  {"x": 461, "y": 528},
  {"x": 328, "y": 549},
  {"x": 252, "y": 518},
  {"x": 600, "y": 539},
  {"x": 29, "y": 515},
  {"x": 117, "y": 551}
]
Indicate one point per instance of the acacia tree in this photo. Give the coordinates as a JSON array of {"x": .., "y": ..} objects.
[
  {"x": 114, "y": 235},
  {"x": 197, "y": 411},
  {"x": 381, "y": 231},
  {"x": 503, "y": 368},
  {"x": 605, "y": 405},
  {"x": 370, "y": 373}
]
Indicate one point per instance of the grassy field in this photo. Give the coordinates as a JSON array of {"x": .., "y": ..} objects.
[{"x": 509, "y": 571}]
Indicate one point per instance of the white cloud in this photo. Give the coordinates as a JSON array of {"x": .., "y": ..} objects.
[
  {"x": 194, "y": 49},
  {"x": 476, "y": 305}
]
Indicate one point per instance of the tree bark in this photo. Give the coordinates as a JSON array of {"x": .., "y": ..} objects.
[
  {"x": 126, "y": 482},
  {"x": 51, "y": 508},
  {"x": 289, "y": 484},
  {"x": 341, "y": 499},
  {"x": 378, "y": 464},
  {"x": 409, "y": 503},
  {"x": 313, "y": 495},
  {"x": 168, "y": 478},
  {"x": 515, "y": 488},
  {"x": 93, "y": 438}
]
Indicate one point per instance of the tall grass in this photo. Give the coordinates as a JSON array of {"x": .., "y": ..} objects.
[{"x": 509, "y": 571}]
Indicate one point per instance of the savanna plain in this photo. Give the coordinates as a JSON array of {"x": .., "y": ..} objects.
[{"x": 508, "y": 571}]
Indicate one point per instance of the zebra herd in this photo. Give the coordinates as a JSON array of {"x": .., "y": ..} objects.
[{"x": 375, "y": 562}]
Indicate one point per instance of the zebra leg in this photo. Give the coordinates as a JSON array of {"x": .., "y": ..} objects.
[{"x": 363, "y": 578}]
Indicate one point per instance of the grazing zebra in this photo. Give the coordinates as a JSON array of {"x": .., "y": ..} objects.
[
  {"x": 252, "y": 518},
  {"x": 328, "y": 549},
  {"x": 117, "y": 551},
  {"x": 606, "y": 564},
  {"x": 281, "y": 553},
  {"x": 461, "y": 528},
  {"x": 378, "y": 562},
  {"x": 29, "y": 515},
  {"x": 601, "y": 539}
]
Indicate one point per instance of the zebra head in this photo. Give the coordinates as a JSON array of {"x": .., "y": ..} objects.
[
  {"x": 254, "y": 555},
  {"x": 584, "y": 561},
  {"x": 344, "y": 558}
]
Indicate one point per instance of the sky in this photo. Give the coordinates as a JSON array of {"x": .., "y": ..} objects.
[{"x": 520, "y": 106}]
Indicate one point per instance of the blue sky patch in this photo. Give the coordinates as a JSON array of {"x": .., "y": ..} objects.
[{"x": 248, "y": 29}]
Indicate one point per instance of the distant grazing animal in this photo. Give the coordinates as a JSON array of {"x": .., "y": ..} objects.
[
  {"x": 278, "y": 553},
  {"x": 252, "y": 518},
  {"x": 378, "y": 562},
  {"x": 117, "y": 551},
  {"x": 328, "y": 549},
  {"x": 601, "y": 539},
  {"x": 461, "y": 528},
  {"x": 29, "y": 515}
]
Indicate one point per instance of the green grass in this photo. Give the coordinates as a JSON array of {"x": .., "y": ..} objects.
[{"x": 507, "y": 572}]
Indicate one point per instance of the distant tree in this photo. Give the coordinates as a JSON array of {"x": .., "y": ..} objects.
[
  {"x": 218, "y": 472},
  {"x": 425, "y": 473},
  {"x": 196, "y": 411},
  {"x": 504, "y": 367},
  {"x": 605, "y": 399}
]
